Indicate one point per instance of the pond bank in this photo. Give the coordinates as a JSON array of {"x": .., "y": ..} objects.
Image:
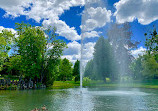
[{"x": 72, "y": 84}]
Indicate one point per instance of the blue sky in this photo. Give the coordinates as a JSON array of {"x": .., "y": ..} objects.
[{"x": 67, "y": 15}]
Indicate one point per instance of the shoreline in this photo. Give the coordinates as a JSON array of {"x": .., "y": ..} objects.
[{"x": 71, "y": 84}]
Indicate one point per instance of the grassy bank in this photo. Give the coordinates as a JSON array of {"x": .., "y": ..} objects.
[
  {"x": 136, "y": 84},
  {"x": 65, "y": 84}
]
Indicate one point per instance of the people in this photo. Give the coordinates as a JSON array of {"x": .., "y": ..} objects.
[
  {"x": 35, "y": 109},
  {"x": 44, "y": 108}
]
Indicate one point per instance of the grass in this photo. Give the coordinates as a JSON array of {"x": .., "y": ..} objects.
[
  {"x": 65, "y": 84},
  {"x": 151, "y": 84}
]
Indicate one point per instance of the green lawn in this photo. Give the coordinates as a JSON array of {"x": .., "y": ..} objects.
[
  {"x": 65, "y": 84},
  {"x": 137, "y": 84}
]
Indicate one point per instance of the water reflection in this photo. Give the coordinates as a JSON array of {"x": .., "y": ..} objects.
[{"x": 94, "y": 99}]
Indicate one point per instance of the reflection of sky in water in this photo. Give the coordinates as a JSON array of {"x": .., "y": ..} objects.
[
  {"x": 92, "y": 99},
  {"x": 78, "y": 102},
  {"x": 113, "y": 100}
]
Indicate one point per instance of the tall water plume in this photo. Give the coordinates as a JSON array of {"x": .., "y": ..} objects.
[{"x": 105, "y": 45}]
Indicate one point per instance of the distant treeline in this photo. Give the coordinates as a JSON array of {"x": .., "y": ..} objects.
[
  {"x": 36, "y": 54},
  {"x": 113, "y": 59}
]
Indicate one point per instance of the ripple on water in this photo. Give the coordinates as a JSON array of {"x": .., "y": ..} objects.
[{"x": 117, "y": 93}]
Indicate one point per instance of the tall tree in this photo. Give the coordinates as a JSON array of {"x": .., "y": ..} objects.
[
  {"x": 152, "y": 43},
  {"x": 102, "y": 58},
  {"x": 13, "y": 65},
  {"x": 150, "y": 67},
  {"x": 40, "y": 52},
  {"x": 30, "y": 44},
  {"x": 137, "y": 68},
  {"x": 51, "y": 56},
  {"x": 6, "y": 40},
  {"x": 65, "y": 70},
  {"x": 119, "y": 35},
  {"x": 76, "y": 71},
  {"x": 90, "y": 70},
  {"x": 104, "y": 64}
]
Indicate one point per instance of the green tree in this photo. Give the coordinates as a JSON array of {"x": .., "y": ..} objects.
[
  {"x": 104, "y": 64},
  {"x": 90, "y": 70},
  {"x": 51, "y": 56},
  {"x": 40, "y": 52},
  {"x": 13, "y": 65},
  {"x": 137, "y": 68},
  {"x": 102, "y": 58},
  {"x": 119, "y": 35},
  {"x": 152, "y": 43},
  {"x": 150, "y": 67},
  {"x": 65, "y": 70},
  {"x": 6, "y": 40},
  {"x": 76, "y": 71},
  {"x": 30, "y": 44}
]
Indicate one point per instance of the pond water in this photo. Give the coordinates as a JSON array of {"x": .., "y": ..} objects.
[{"x": 93, "y": 99}]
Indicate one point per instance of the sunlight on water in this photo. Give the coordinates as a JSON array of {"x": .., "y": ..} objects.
[{"x": 92, "y": 99}]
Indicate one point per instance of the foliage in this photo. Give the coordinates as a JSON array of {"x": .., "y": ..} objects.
[
  {"x": 6, "y": 39},
  {"x": 40, "y": 52},
  {"x": 13, "y": 65},
  {"x": 136, "y": 67},
  {"x": 152, "y": 41},
  {"x": 119, "y": 35},
  {"x": 86, "y": 80},
  {"x": 150, "y": 67},
  {"x": 65, "y": 70},
  {"x": 51, "y": 57},
  {"x": 146, "y": 66},
  {"x": 30, "y": 46},
  {"x": 103, "y": 64},
  {"x": 90, "y": 70},
  {"x": 76, "y": 71}
]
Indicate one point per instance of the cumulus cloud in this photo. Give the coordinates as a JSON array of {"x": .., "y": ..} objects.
[
  {"x": 14, "y": 7},
  {"x": 9, "y": 29},
  {"x": 91, "y": 34},
  {"x": 63, "y": 29},
  {"x": 88, "y": 50},
  {"x": 96, "y": 18},
  {"x": 145, "y": 11},
  {"x": 73, "y": 48},
  {"x": 137, "y": 52},
  {"x": 49, "y": 11},
  {"x": 73, "y": 52},
  {"x": 46, "y": 10}
]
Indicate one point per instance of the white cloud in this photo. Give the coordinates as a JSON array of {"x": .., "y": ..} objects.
[
  {"x": 145, "y": 11},
  {"x": 91, "y": 34},
  {"x": 137, "y": 52},
  {"x": 47, "y": 10},
  {"x": 88, "y": 50},
  {"x": 9, "y": 29},
  {"x": 63, "y": 29},
  {"x": 73, "y": 52},
  {"x": 14, "y": 7},
  {"x": 73, "y": 48},
  {"x": 95, "y": 18},
  {"x": 50, "y": 10}
]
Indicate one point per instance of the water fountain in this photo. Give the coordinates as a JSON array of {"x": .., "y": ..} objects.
[
  {"x": 110, "y": 59},
  {"x": 90, "y": 4}
]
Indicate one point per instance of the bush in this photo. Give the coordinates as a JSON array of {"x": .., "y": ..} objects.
[{"x": 86, "y": 80}]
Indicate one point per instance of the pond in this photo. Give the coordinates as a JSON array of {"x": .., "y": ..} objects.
[{"x": 92, "y": 99}]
